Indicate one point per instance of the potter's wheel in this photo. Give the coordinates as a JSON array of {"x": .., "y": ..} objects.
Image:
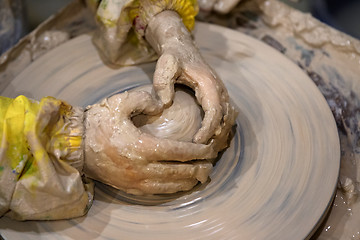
[{"x": 276, "y": 181}]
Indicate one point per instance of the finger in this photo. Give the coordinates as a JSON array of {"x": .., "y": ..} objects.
[
  {"x": 164, "y": 77},
  {"x": 208, "y": 93},
  {"x": 220, "y": 141},
  {"x": 156, "y": 186},
  {"x": 131, "y": 103},
  {"x": 157, "y": 149},
  {"x": 225, "y": 6},
  {"x": 209, "y": 125},
  {"x": 199, "y": 170}
]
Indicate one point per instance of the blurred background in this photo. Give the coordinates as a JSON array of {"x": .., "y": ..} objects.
[{"x": 18, "y": 17}]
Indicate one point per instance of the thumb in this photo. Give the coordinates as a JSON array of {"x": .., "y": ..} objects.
[
  {"x": 132, "y": 103},
  {"x": 164, "y": 77}
]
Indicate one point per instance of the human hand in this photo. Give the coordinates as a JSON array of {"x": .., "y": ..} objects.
[
  {"x": 181, "y": 62},
  {"x": 219, "y": 6},
  {"x": 119, "y": 154}
]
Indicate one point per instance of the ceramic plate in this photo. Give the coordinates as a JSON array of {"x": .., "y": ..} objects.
[{"x": 275, "y": 181}]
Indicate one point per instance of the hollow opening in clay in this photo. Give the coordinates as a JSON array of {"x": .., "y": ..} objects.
[{"x": 180, "y": 121}]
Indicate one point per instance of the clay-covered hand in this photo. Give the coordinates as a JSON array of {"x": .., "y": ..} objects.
[
  {"x": 181, "y": 62},
  {"x": 120, "y": 154},
  {"x": 219, "y": 6}
]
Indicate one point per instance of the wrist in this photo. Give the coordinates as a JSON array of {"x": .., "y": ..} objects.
[
  {"x": 76, "y": 136},
  {"x": 67, "y": 139},
  {"x": 167, "y": 31},
  {"x": 95, "y": 139}
]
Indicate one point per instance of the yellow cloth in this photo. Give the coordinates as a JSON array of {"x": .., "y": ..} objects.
[
  {"x": 122, "y": 24},
  {"x": 41, "y": 158}
]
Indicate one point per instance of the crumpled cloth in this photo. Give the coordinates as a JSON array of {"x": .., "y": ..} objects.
[{"x": 41, "y": 159}]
